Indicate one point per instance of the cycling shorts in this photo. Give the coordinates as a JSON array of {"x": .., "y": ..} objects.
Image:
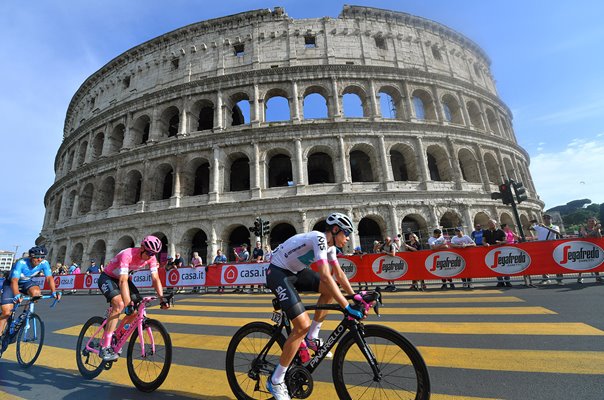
[
  {"x": 7, "y": 290},
  {"x": 285, "y": 285},
  {"x": 110, "y": 288}
]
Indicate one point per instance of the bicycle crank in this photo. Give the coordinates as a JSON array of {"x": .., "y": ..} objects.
[{"x": 299, "y": 382}]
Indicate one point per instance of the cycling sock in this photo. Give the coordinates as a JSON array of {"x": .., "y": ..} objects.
[
  {"x": 279, "y": 375},
  {"x": 106, "y": 342},
  {"x": 315, "y": 328}
]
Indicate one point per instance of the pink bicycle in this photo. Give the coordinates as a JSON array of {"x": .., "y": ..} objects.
[{"x": 148, "y": 364}]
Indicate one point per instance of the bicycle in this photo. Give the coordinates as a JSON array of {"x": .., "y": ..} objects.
[
  {"x": 27, "y": 330},
  {"x": 371, "y": 361},
  {"x": 147, "y": 369}
]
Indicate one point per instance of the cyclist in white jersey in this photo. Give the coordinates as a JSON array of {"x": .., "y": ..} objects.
[{"x": 289, "y": 272}]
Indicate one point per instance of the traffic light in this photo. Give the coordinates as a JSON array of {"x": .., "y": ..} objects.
[
  {"x": 266, "y": 228},
  {"x": 505, "y": 193},
  {"x": 257, "y": 228},
  {"x": 520, "y": 191}
]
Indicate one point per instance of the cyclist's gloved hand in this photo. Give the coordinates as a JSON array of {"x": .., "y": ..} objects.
[
  {"x": 354, "y": 313},
  {"x": 129, "y": 309},
  {"x": 164, "y": 305},
  {"x": 17, "y": 298}
]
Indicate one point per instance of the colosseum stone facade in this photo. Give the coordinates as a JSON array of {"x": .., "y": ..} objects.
[{"x": 192, "y": 135}]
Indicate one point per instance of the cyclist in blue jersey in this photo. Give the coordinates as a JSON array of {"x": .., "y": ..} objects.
[
  {"x": 20, "y": 281},
  {"x": 289, "y": 272}
]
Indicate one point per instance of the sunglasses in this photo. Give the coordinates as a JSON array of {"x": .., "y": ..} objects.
[
  {"x": 346, "y": 233},
  {"x": 39, "y": 257},
  {"x": 149, "y": 253}
]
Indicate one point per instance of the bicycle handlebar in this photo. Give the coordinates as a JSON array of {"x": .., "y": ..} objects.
[{"x": 44, "y": 297}]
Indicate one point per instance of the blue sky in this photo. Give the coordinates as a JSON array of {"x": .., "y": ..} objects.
[{"x": 547, "y": 58}]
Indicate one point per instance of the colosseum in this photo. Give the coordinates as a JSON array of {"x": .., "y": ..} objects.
[{"x": 391, "y": 118}]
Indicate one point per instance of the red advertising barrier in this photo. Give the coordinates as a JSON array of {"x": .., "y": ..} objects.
[{"x": 532, "y": 258}]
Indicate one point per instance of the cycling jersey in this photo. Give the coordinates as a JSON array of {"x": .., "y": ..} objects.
[
  {"x": 129, "y": 260},
  {"x": 300, "y": 251},
  {"x": 24, "y": 270}
]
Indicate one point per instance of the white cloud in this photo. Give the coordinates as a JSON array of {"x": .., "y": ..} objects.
[{"x": 570, "y": 174}]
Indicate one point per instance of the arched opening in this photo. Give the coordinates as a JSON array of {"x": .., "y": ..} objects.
[
  {"x": 438, "y": 164},
  {"x": 390, "y": 103},
  {"x": 85, "y": 200},
  {"x": 82, "y": 149},
  {"x": 239, "y": 177},
  {"x": 238, "y": 236},
  {"x": 140, "y": 130},
  {"x": 352, "y": 105},
  {"x": 125, "y": 242},
  {"x": 56, "y": 212},
  {"x": 492, "y": 168},
  {"x": 70, "y": 203},
  {"x": 481, "y": 219},
  {"x": 276, "y": 105},
  {"x": 164, "y": 182},
  {"x": 77, "y": 255},
  {"x": 202, "y": 180},
  {"x": 98, "y": 252},
  {"x": 320, "y": 168},
  {"x": 399, "y": 166},
  {"x": 168, "y": 184},
  {"x": 468, "y": 166},
  {"x": 474, "y": 113},
  {"x": 61, "y": 254},
  {"x": 417, "y": 225},
  {"x": 132, "y": 189},
  {"x": 451, "y": 110},
  {"x": 492, "y": 120},
  {"x": 320, "y": 226},
  {"x": 203, "y": 111},
  {"x": 315, "y": 106},
  {"x": 280, "y": 233},
  {"x": 170, "y": 122},
  {"x": 97, "y": 146},
  {"x": 449, "y": 221},
  {"x": 369, "y": 231},
  {"x": 104, "y": 196},
  {"x": 240, "y": 113},
  {"x": 423, "y": 106},
  {"x": 199, "y": 244},
  {"x": 360, "y": 167},
  {"x": 116, "y": 139},
  {"x": 404, "y": 163},
  {"x": 279, "y": 170},
  {"x": 507, "y": 219}
]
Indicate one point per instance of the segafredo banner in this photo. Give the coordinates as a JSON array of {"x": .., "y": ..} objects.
[
  {"x": 578, "y": 255},
  {"x": 389, "y": 268},
  {"x": 244, "y": 274},
  {"x": 186, "y": 277},
  {"x": 349, "y": 267},
  {"x": 445, "y": 264},
  {"x": 507, "y": 260}
]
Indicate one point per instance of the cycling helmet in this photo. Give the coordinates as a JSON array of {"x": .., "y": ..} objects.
[
  {"x": 151, "y": 243},
  {"x": 38, "y": 251},
  {"x": 341, "y": 220}
]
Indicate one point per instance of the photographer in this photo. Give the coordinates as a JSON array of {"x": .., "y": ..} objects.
[{"x": 593, "y": 230}]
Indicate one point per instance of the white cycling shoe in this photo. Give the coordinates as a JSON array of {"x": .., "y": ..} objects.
[{"x": 279, "y": 391}]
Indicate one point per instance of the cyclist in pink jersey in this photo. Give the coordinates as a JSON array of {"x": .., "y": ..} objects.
[{"x": 119, "y": 290}]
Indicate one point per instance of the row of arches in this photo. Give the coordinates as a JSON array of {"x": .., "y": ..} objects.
[
  {"x": 219, "y": 111},
  {"x": 369, "y": 229},
  {"x": 281, "y": 167}
]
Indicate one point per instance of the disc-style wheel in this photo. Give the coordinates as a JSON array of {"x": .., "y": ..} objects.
[
  {"x": 404, "y": 374},
  {"x": 149, "y": 370},
  {"x": 30, "y": 340},
  {"x": 247, "y": 371},
  {"x": 89, "y": 363}
]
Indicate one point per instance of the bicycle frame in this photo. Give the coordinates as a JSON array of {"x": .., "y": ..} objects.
[
  {"x": 13, "y": 324},
  {"x": 123, "y": 336}
]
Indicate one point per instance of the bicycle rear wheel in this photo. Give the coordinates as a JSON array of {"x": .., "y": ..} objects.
[
  {"x": 150, "y": 370},
  {"x": 89, "y": 363},
  {"x": 30, "y": 340},
  {"x": 404, "y": 372},
  {"x": 246, "y": 372}
]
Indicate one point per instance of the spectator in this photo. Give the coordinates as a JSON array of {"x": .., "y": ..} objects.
[
  {"x": 377, "y": 247},
  {"x": 72, "y": 268},
  {"x": 495, "y": 236},
  {"x": 592, "y": 229},
  {"x": 547, "y": 231},
  {"x": 58, "y": 269},
  {"x": 414, "y": 245},
  {"x": 179, "y": 262},
  {"x": 359, "y": 252},
  {"x": 196, "y": 261},
  {"x": 220, "y": 259},
  {"x": 93, "y": 269},
  {"x": 477, "y": 234},
  {"x": 62, "y": 269},
  {"x": 242, "y": 256},
  {"x": 459, "y": 240},
  {"x": 257, "y": 256},
  {"x": 268, "y": 253},
  {"x": 438, "y": 242},
  {"x": 390, "y": 249},
  {"x": 169, "y": 266},
  {"x": 510, "y": 236}
]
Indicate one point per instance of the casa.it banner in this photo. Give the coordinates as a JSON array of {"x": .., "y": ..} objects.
[{"x": 532, "y": 258}]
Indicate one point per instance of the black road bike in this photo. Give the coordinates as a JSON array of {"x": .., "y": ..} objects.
[{"x": 370, "y": 361}]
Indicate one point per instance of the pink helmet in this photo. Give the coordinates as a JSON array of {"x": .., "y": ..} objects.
[{"x": 151, "y": 243}]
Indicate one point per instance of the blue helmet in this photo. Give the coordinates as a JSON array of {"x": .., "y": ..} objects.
[{"x": 38, "y": 251}]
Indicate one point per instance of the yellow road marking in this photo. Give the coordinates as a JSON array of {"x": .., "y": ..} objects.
[
  {"x": 575, "y": 362},
  {"x": 386, "y": 295},
  {"x": 184, "y": 381},
  {"x": 426, "y": 300},
  {"x": 393, "y": 311}
]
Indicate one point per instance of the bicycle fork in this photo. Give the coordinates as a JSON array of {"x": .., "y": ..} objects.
[{"x": 359, "y": 338}]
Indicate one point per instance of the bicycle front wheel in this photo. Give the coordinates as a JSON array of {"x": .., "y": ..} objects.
[
  {"x": 149, "y": 363},
  {"x": 404, "y": 374},
  {"x": 247, "y": 371},
  {"x": 89, "y": 363},
  {"x": 30, "y": 340}
]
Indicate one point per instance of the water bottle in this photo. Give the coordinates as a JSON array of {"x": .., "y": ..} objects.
[{"x": 303, "y": 352}]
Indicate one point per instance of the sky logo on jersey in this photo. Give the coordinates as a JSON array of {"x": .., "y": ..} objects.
[
  {"x": 389, "y": 268},
  {"x": 445, "y": 264},
  {"x": 507, "y": 260},
  {"x": 578, "y": 255},
  {"x": 349, "y": 267}
]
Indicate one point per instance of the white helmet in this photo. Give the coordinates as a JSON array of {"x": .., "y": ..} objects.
[{"x": 341, "y": 220}]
